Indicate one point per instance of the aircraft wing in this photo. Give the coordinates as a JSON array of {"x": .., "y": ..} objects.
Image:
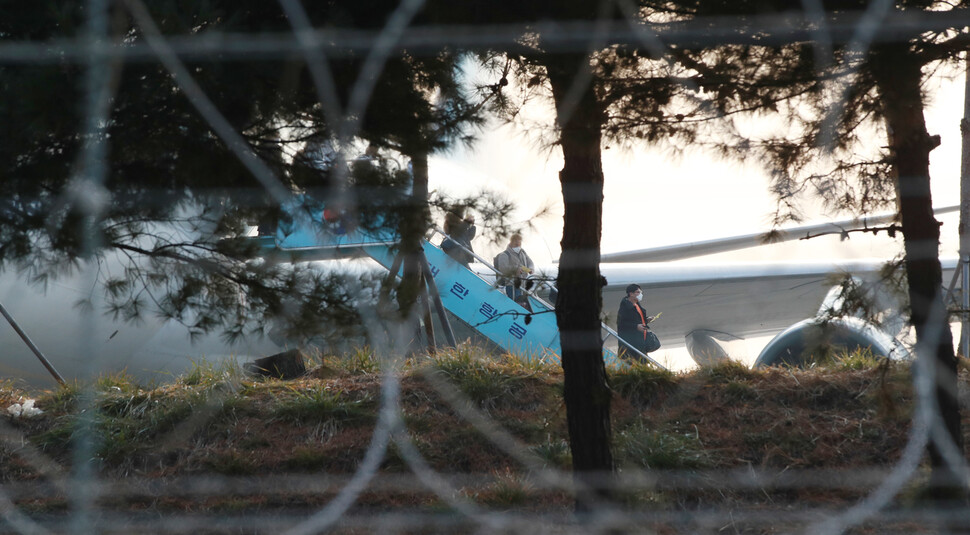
[{"x": 693, "y": 249}]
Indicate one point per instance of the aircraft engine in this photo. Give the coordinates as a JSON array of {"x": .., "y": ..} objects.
[
  {"x": 797, "y": 344},
  {"x": 707, "y": 347}
]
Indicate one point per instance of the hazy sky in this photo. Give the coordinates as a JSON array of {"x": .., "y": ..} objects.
[{"x": 690, "y": 198}]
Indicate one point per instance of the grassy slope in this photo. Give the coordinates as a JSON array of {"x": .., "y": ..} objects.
[{"x": 718, "y": 439}]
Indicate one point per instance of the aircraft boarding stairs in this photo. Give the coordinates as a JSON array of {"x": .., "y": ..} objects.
[{"x": 470, "y": 297}]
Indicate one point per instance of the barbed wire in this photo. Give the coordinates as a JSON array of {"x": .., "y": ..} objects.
[{"x": 83, "y": 488}]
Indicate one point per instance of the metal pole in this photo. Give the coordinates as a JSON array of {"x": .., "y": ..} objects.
[
  {"x": 965, "y": 298},
  {"x": 965, "y": 202},
  {"x": 385, "y": 292},
  {"x": 30, "y": 344},
  {"x": 426, "y": 318},
  {"x": 436, "y": 299},
  {"x": 949, "y": 298}
]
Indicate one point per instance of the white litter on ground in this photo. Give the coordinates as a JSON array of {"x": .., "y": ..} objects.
[{"x": 24, "y": 410}]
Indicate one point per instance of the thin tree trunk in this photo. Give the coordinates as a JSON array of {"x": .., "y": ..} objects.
[
  {"x": 579, "y": 303},
  {"x": 898, "y": 77},
  {"x": 413, "y": 227}
]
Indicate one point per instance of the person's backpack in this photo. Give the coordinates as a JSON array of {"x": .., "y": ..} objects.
[
  {"x": 502, "y": 279},
  {"x": 495, "y": 260}
]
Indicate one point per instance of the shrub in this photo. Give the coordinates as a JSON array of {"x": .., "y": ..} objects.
[
  {"x": 307, "y": 458},
  {"x": 859, "y": 359},
  {"x": 646, "y": 448},
  {"x": 641, "y": 383},
  {"x": 728, "y": 371},
  {"x": 318, "y": 404},
  {"x": 508, "y": 490},
  {"x": 208, "y": 374},
  {"x": 484, "y": 381},
  {"x": 555, "y": 452},
  {"x": 740, "y": 391},
  {"x": 63, "y": 400},
  {"x": 361, "y": 361}
]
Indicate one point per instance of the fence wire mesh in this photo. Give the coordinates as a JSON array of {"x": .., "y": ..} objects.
[{"x": 381, "y": 437}]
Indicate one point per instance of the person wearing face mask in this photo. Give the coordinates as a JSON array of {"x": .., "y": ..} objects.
[
  {"x": 632, "y": 323},
  {"x": 514, "y": 265}
]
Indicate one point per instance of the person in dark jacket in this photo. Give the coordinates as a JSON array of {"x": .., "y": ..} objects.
[
  {"x": 632, "y": 322},
  {"x": 460, "y": 231}
]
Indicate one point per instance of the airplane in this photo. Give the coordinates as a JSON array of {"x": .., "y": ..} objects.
[
  {"x": 704, "y": 308},
  {"x": 705, "y": 305},
  {"x": 708, "y": 307}
]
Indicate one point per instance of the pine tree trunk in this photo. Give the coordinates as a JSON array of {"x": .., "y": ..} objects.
[
  {"x": 578, "y": 306},
  {"x": 413, "y": 226},
  {"x": 898, "y": 77}
]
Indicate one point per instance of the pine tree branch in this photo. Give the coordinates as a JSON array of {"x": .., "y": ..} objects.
[{"x": 890, "y": 230}]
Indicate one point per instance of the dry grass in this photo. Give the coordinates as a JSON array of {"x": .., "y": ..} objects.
[{"x": 694, "y": 431}]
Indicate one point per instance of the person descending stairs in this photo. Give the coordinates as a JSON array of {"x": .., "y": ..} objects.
[{"x": 527, "y": 329}]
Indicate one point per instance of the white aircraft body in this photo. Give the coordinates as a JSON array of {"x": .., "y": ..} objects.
[
  {"x": 704, "y": 305},
  {"x": 699, "y": 303},
  {"x": 82, "y": 342},
  {"x": 743, "y": 300},
  {"x": 733, "y": 301}
]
